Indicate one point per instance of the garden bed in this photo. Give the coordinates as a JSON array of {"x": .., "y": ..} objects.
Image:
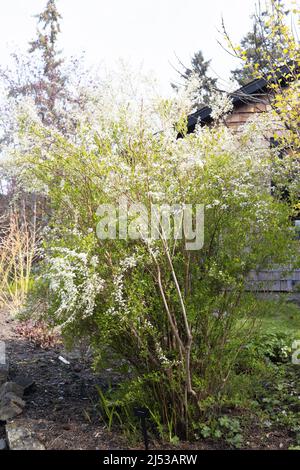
[{"x": 62, "y": 409}]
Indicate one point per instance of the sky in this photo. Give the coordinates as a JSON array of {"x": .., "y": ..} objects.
[{"x": 147, "y": 33}]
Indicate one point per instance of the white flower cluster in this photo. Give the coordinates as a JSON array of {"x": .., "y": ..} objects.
[
  {"x": 220, "y": 104},
  {"x": 189, "y": 95},
  {"x": 73, "y": 280},
  {"x": 120, "y": 307}
]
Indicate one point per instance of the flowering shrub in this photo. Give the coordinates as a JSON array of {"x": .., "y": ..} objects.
[{"x": 174, "y": 316}]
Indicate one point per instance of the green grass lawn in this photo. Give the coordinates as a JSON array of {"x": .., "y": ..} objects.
[{"x": 279, "y": 316}]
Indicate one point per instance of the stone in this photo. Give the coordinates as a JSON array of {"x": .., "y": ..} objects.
[
  {"x": 3, "y": 445},
  {"x": 21, "y": 438},
  {"x": 11, "y": 397},
  {"x": 4, "y": 370},
  {"x": 63, "y": 360},
  {"x": 11, "y": 405},
  {"x": 27, "y": 383},
  {"x": 11, "y": 387},
  {"x": 9, "y": 411},
  {"x": 77, "y": 368}
]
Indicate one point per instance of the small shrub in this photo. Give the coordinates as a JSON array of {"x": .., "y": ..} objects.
[{"x": 38, "y": 333}]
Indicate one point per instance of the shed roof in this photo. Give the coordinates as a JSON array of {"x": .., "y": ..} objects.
[{"x": 249, "y": 93}]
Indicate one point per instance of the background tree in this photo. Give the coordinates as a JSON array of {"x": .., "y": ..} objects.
[
  {"x": 259, "y": 39},
  {"x": 37, "y": 78},
  {"x": 199, "y": 67},
  {"x": 48, "y": 87},
  {"x": 52, "y": 82},
  {"x": 51, "y": 87}
]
